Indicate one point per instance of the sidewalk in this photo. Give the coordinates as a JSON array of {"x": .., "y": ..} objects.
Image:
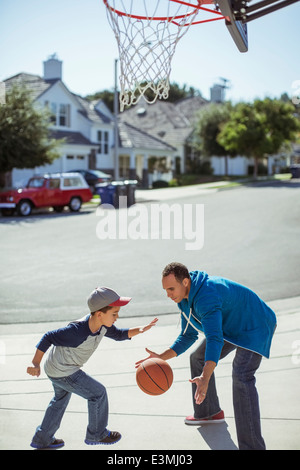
[
  {"x": 178, "y": 192},
  {"x": 145, "y": 422}
]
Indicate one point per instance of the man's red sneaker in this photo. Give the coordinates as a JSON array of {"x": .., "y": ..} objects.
[{"x": 215, "y": 419}]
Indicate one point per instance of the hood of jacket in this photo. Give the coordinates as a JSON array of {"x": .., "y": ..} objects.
[{"x": 197, "y": 280}]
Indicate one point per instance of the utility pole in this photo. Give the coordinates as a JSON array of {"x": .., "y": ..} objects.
[{"x": 116, "y": 131}]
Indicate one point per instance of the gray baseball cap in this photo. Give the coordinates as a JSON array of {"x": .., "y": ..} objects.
[{"x": 105, "y": 297}]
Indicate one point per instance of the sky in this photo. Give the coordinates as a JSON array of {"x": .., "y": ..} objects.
[{"x": 79, "y": 33}]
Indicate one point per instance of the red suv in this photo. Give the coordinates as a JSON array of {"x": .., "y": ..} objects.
[{"x": 53, "y": 190}]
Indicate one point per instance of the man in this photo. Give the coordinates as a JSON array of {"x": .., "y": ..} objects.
[{"x": 232, "y": 317}]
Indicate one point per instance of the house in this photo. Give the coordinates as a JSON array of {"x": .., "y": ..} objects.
[
  {"x": 174, "y": 124},
  {"x": 137, "y": 149},
  {"x": 88, "y": 130},
  {"x": 154, "y": 140}
]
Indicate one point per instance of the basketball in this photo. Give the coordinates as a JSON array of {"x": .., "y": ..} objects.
[{"x": 154, "y": 376}]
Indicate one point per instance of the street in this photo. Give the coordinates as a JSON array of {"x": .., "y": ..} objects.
[{"x": 50, "y": 262}]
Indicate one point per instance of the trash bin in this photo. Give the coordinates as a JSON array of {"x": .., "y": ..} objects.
[
  {"x": 107, "y": 192},
  {"x": 130, "y": 191},
  {"x": 295, "y": 170},
  {"x": 110, "y": 193},
  {"x": 120, "y": 190}
]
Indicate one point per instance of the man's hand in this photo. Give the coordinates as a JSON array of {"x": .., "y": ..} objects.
[
  {"x": 201, "y": 390},
  {"x": 165, "y": 356},
  {"x": 203, "y": 381},
  {"x": 151, "y": 354},
  {"x": 35, "y": 371}
]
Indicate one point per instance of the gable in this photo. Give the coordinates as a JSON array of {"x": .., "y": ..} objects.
[{"x": 59, "y": 93}]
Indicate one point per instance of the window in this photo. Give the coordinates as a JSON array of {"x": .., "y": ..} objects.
[
  {"x": 54, "y": 183},
  {"x": 53, "y": 111},
  {"x": 73, "y": 182},
  {"x": 60, "y": 114},
  {"x": 35, "y": 183},
  {"x": 124, "y": 161},
  {"x": 63, "y": 115},
  {"x": 103, "y": 142}
]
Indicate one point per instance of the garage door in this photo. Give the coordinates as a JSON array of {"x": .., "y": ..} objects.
[{"x": 76, "y": 162}]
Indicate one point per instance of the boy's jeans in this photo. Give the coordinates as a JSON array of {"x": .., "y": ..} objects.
[
  {"x": 84, "y": 386},
  {"x": 245, "y": 397}
]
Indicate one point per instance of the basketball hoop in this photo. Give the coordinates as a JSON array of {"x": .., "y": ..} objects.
[{"x": 147, "y": 32}]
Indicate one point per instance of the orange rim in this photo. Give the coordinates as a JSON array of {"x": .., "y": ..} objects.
[{"x": 172, "y": 19}]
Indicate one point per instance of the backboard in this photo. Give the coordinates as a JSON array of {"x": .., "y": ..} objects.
[
  {"x": 237, "y": 29},
  {"x": 238, "y": 13}
]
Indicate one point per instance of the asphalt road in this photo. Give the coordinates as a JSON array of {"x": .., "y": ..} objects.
[{"x": 50, "y": 262}]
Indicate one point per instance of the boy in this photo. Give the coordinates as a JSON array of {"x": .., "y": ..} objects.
[{"x": 72, "y": 346}]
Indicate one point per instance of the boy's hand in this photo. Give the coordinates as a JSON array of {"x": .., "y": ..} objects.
[
  {"x": 147, "y": 327},
  {"x": 141, "y": 329},
  {"x": 35, "y": 371}
]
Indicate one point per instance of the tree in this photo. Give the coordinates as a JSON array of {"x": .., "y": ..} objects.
[
  {"x": 259, "y": 129},
  {"x": 207, "y": 128},
  {"x": 24, "y": 133}
]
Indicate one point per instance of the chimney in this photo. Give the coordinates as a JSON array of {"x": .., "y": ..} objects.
[
  {"x": 53, "y": 68},
  {"x": 217, "y": 93}
]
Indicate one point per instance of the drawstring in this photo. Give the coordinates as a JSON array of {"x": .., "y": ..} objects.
[{"x": 188, "y": 322}]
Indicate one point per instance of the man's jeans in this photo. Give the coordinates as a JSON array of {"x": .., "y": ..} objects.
[
  {"x": 84, "y": 386},
  {"x": 245, "y": 397}
]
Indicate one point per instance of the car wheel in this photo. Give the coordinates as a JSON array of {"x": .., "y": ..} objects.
[
  {"x": 24, "y": 208},
  {"x": 75, "y": 204}
]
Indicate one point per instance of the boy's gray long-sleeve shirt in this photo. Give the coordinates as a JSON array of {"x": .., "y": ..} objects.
[{"x": 73, "y": 345}]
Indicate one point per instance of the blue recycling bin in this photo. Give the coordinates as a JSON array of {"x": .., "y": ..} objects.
[
  {"x": 107, "y": 192},
  {"x": 295, "y": 170}
]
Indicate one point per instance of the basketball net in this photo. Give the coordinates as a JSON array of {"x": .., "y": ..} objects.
[{"x": 147, "y": 33}]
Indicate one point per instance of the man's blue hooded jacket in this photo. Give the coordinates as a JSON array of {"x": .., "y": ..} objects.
[{"x": 224, "y": 310}]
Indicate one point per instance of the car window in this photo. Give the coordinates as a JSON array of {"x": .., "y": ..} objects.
[
  {"x": 54, "y": 183},
  {"x": 35, "y": 183},
  {"x": 72, "y": 181}
]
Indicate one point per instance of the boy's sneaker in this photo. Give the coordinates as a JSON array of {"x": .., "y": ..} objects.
[
  {"x": 215, "y": 419},
  {"x": 56, "y": 444},
  {"x": 111, "y": 438}
]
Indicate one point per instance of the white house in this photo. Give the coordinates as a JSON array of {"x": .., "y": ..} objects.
[{"x": 88, "y": 129}]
